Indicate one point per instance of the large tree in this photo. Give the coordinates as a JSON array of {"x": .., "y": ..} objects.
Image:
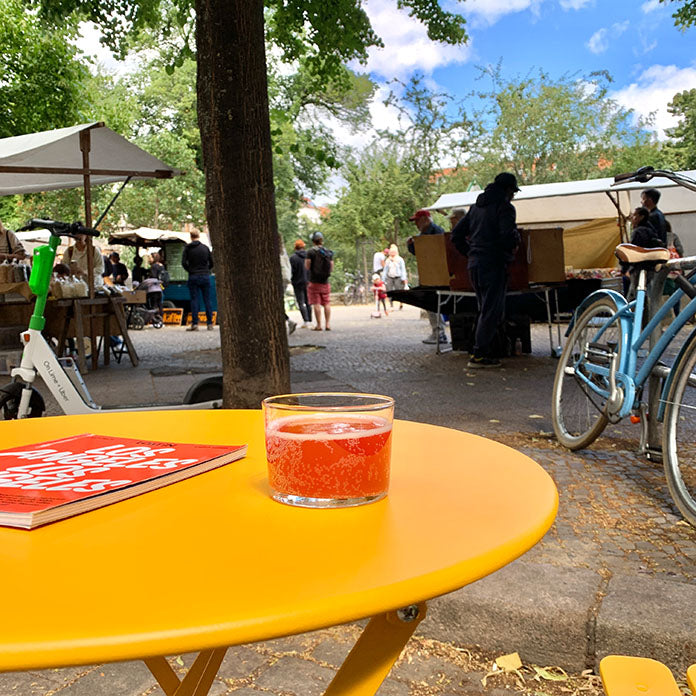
[
  {"x": 683, "y": 135},
  {"x": 235, "y": 133},
  {"x": 546, "y": 129}
]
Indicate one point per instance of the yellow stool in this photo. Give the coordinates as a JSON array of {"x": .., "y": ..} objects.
[
  {"x": 691, "y": 678},
  {"x": 638, "y": 676}
]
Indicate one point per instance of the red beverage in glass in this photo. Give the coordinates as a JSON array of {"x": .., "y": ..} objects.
[{"x": 329, "y": 457}]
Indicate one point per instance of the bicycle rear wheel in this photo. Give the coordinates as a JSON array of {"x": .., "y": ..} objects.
[
  {"x": 578, "y": 412},
  {"x": 679, "y": 435}
]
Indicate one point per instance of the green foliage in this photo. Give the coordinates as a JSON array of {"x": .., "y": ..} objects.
[
  {"x": 41, "y": 74},
  {"x": 381, "y": 193},
  {"x": 683, "y": 105},
  {"x": 685, "y": 14},
  {"x": 547, "y": 130},
  {"x": 432, "y": 129}
]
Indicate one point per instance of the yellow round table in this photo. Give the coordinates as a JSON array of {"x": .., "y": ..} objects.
[{"x": 213, "y": 561}]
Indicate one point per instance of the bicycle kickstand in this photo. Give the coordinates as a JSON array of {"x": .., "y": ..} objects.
[{"x": 653, "y": 454}]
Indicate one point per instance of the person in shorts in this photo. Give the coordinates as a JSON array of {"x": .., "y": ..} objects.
[{"x": 319, "y": 263}]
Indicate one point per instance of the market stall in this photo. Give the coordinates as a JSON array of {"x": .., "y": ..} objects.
[
  {"x": 78, "y": 156},
  {"x": 569, "y": 232}
]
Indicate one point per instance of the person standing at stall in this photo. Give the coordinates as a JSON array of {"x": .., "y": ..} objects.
[
  {"x": 75, "y": 258},
  {"x": 198, "y": 261},
  {"x": 488, "y": 236},
  {"x": 649, "y": 200},
  {"x": 10, "y": 246},
  {"x": 425, "y": 225}
]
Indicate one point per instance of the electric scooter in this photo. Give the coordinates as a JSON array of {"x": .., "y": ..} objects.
[{"x": 20, "y": 399}]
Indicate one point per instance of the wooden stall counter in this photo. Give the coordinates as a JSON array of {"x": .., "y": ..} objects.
[{"x": 78, "y": 318}]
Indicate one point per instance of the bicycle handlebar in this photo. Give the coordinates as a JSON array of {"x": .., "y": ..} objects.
[
  {"x": 644, "y": 174},
  {"x": 57, "y": 228}
]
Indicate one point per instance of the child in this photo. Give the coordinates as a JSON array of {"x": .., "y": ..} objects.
[{"x": 380, "y": 291}]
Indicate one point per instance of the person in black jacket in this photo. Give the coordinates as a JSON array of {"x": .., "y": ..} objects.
[
  {"x": 649, "y": 200},
  {"x": 298, "y": 278},
  {"x": 488, "y": 236},
  {"x": 643, "y": 234},
  {"x": 198, "y": 261}
]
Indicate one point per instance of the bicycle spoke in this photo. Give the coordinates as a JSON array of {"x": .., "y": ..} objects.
[{"x": 680, "y": 437}]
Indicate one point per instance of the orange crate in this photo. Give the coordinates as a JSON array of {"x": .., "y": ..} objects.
[
  {"x": 202, "y": 319},
  {"x": 172, "y": 315}
]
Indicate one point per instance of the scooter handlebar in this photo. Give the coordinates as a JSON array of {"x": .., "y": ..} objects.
[{"x": 68, "y": 229}]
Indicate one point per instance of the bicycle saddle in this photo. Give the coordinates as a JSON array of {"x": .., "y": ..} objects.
[{"x": 630, "y": 253}]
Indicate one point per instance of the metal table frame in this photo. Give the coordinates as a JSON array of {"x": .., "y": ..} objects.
[{"x": 444, "y": 296}]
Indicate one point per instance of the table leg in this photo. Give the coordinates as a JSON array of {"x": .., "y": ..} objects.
[
  {"x": 121, "y": 320},
  {"x": 80, "y": 337},
  {"x": 198, "y": 679},
  {"x": 377, "y": 649}
]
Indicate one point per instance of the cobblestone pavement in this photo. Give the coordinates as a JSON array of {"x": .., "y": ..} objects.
[{"x": 615, "y": 514}]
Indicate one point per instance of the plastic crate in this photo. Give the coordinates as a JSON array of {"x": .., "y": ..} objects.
[
  {"x": 172, "y": 315},
  {"x": 202, "y": 319}
]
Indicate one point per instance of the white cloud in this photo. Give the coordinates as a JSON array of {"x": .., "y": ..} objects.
[
  {"x": 654, "y": 89},
  {"x": 574, "y": 4},
  {"x": 90, "y": 45},
  {"x": 490, "y": 11},
  {"x": 407, "y": 48},
  {"x": 650, "y": 6},
  {"x": 599, "y": 41}
]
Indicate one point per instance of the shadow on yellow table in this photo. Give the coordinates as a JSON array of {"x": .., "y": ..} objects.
[{"x": 212, "y": 561}]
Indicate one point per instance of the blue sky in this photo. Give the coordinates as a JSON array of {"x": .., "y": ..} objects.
[{"x": 634, "y": 40}]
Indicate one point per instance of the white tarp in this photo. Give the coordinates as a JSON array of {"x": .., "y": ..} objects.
[
  {"x": 111, "y": 158},
  {"x": 579, "y": 201},
  {"x": 150, "y": 237}
]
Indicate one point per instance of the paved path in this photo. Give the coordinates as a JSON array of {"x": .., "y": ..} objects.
[{"x": 615, "y": 573}]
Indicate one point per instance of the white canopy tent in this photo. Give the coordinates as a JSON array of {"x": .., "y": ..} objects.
[
  {"x": 71, "y": 157},
  {"x": 150, "y": 237},
  {"x": 63, "y": 158},
  {"x": 573, "y": 202}
]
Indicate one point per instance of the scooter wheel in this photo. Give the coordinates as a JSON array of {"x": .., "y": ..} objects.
[
  {"x": 208, "y": 389},
  {"x": 10, "y": 396}
]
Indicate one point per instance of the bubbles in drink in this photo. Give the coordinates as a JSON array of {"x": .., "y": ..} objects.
[{"x": 329, "y": 455}]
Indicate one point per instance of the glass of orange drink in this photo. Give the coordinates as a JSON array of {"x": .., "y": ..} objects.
[{"x": 329, "y": 449}]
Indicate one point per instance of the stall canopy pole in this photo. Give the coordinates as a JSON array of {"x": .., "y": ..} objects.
[
  {"x": 85, "y": 146},
  {"x": 111, "y": 202},
  {"x": 622, "y": 217}
]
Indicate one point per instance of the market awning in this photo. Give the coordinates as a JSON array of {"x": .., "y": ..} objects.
[
  {"x": 576, "y": 201},
  {"x": 62, "y": 158},
  {"x": 150, "y": 237}
]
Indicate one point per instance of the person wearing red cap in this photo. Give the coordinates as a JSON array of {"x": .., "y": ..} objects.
[
  {"x": 488, "y": 236},
  {"x": 425, "y": 225}
]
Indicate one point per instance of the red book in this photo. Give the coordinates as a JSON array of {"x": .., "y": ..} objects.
[{"x": 49, "y": 481}]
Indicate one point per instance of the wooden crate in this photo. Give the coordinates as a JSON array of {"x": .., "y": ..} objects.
[{"x": 172, "y": 315}]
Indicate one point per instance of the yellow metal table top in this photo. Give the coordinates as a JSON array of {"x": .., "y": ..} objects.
[{"x": 213, "y": 561}]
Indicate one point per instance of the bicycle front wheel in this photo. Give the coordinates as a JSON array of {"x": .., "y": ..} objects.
[
  {"x": 679, "y": 435},
  {"x": 578, "y": 409}
]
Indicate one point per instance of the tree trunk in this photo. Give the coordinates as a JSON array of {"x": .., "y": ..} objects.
[{"x": 240, "y": 206}]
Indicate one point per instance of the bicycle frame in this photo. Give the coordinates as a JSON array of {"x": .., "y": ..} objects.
[{"x": 630, "y": 316}]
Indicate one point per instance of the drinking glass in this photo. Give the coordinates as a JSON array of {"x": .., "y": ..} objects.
[{"x": 328, "y": 449}]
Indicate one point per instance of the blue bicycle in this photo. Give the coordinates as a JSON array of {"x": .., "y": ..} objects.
[{"x": 604, "y": 370}]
